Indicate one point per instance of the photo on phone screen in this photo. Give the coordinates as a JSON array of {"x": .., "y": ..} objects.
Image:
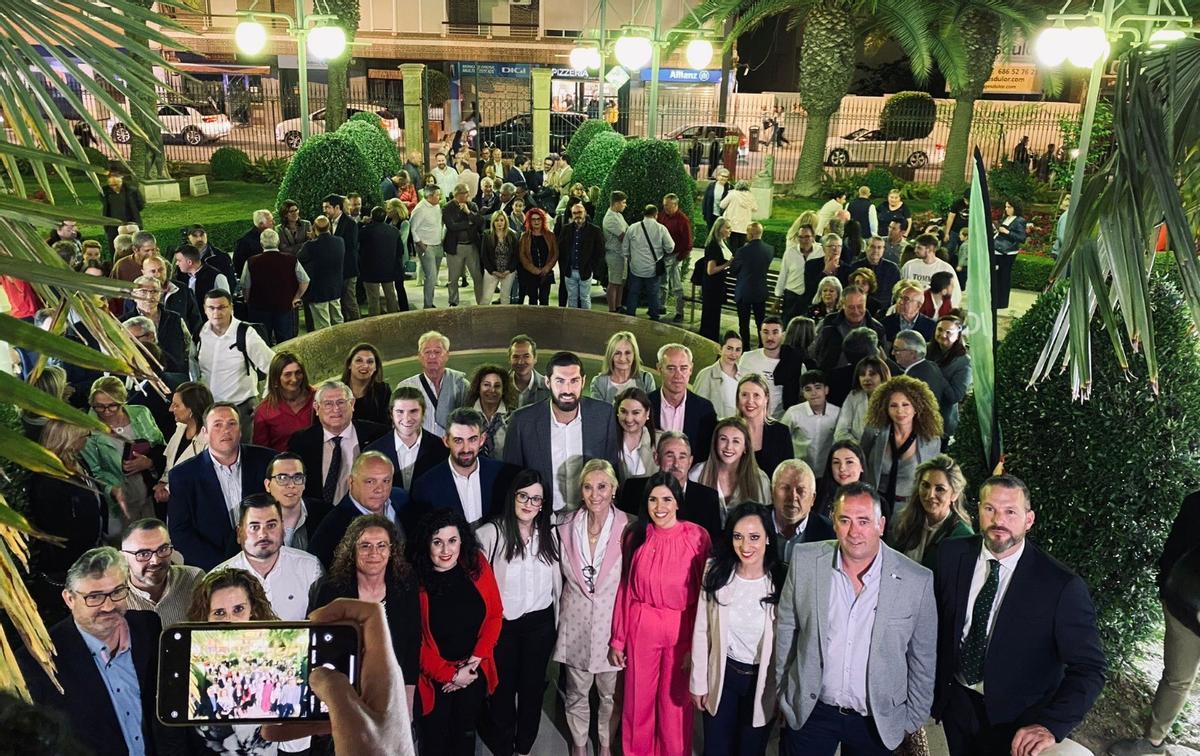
[{"x": 249, "y": 672}]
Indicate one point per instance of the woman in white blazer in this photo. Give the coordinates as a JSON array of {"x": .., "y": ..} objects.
[
  {"x": 719, "y": 381},
  {"x": 591, "y": 563},
  {"x": 733, "y": 641},
  {"x": 188, "y": 405},
  {"x": 636, "y": 457},
  {"x": 739, "y": 207}
]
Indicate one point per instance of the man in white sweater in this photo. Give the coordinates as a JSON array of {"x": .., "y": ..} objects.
[{"x": 926, "y": 263}]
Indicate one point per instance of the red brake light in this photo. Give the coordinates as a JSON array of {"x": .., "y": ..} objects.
[{"x": 211, "y": 119}]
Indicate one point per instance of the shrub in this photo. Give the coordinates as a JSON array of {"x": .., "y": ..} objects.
[
  {"x": 376, "y": 145},
  {"x": 96, "y": 158},
  {"x": 328, "y": 164},
  {"x": 229, "y": 164},
  {"x": 1106, "y": 475},
  {"x": 598, "y": 159},
  {"x": 941, "y": 198},
  {"x": 438, "y": 87},
  {"x": 265, "y": 170},
  {"x": 1031, "y": 272},
  {"x": 368, "y": 117},
  {"x": 908, "y": 115},
  {"x": 880, "y": 180},
  {"x": 647, "y": 170},
  {"x": 1010, "y": 180},
  {"x": 586, "y": 132}
]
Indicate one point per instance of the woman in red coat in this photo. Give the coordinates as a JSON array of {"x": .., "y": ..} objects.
[{"x": 461, "y": 618}]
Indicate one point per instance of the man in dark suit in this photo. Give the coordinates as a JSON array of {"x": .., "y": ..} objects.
[
  {"x": 323, "y": 258},
  {"x": 329, "y": 446},
  {"x": 907, "y": 316},
  {"x": 674, "y": 407},
  {"x": 580, "y": 251},
  {"x": 557, "y": 436},
  {"x": 827, "y": 349},
  {"x": 830, "y": 264},
  {"x": 475, "y": 485},
  {"x": 371, "y": 492},
  {"x": 211, "y": 485},
  {"x": 107, "y": 663},
  {"x": 345, "y": 228},
  {"x": 715, "y": 192},
  {"x": 793, "y": 491},
  {"x": 859, "y": 343},
  {"x": 908, "y": 349},
  {"x": 750, "y": 265},
  {"x": 701, "y": 504},
  {"x": 887, "y": 273},
  {"x": 412, "y": 450},
  {"x": 1019, "y": 660}
]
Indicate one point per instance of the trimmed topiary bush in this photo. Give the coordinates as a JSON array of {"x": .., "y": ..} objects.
[
  {"x": 368, "y": 117},
  {"x": 598, "y": 159},
  {"x": 583, "y": 135},
  {"x": 1010, "y": 180},
  {"x": 647, "y": 170},
  {"x": 328, "y": 164},
  {"x": 880, "y": 180},
  {"x": 908, "y": 115},
  {"x": 229, "y": 164},
  {"x": 374, "y": 142},
  {"x": 1107, "y": 475}
]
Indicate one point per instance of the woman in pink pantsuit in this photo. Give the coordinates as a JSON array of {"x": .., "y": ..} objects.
[{"x": 652, "y": 623}]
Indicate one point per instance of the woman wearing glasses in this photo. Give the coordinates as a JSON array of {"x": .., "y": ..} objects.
[
  {"x": 369, "y": 565},
  {"x": 591, "y": 538},
  {"x": 126, "y": 458},
  {"x": 521, "y": 545}
]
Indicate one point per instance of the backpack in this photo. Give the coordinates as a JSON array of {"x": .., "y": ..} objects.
[{"x": 239, "y": 343}]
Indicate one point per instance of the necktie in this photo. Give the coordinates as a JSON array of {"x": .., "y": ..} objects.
[
  {"x": 335, "y": 471},
  {"x": 974, "y": 648}
]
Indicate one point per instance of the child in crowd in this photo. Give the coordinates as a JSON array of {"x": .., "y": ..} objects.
[{"x": 812, "y": 422}]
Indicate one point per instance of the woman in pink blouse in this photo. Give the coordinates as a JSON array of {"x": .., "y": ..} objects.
[{"x": 652, "y": 623}]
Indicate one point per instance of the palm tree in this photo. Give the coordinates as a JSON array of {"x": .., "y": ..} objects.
[
  {"x": 833, "y": 34},
  {"x": 53, "y": 45},
  {"x": 971, "y": 35}
]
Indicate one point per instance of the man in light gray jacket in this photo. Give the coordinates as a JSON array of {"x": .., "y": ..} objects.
[
  {"x": 856, "y": 648},
  {"x": 646, "y": 243}
]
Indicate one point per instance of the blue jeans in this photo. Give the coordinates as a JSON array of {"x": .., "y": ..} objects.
[
  {"x": 731, "y": 731},
  {"x": 826, "y": 728},
  {"x": 634, "y": 287},
  {"x": 579, "y": 291}
]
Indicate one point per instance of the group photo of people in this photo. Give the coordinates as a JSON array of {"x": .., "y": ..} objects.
[{"x": 257, "y": 674}]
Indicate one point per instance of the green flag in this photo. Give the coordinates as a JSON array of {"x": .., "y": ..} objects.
[{"x": 981, "y": 318}]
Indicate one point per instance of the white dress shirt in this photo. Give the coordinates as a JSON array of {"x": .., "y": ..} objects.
[
  {"x": 566, "y": 459},
  {"x": 470, "y": 493},
  {"x": 812, "y": 434},
  {"x": 848, "y": 642},
  {"x": 287, "y": 584},
  {"x": 528, "y": 583},
  {"x": 1007, "y": 565},
  {"x": 388, "y": 510},
  {"x": 349, "y": 452},
  {"x": 791, "y": 272},
  {"x": 425, "y": 224},
  {"x": 406, "y": 456},
  {"x": 447, "y": 179},
  {"x": 230, "y": 479},
  {"x": 221, "y": 367}
]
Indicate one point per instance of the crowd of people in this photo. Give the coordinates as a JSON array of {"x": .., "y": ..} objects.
[{"x": 777, "y": 542}]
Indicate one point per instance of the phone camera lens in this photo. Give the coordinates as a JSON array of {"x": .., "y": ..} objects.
[
  {"x": 328, "y": 637},
  {"x": 178, "y": 636}
]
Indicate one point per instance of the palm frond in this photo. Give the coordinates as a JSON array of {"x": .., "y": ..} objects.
[{"x": 910, "y": 24}]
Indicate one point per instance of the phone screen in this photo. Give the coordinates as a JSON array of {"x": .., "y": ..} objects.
[{"x": 249, "y": 672}]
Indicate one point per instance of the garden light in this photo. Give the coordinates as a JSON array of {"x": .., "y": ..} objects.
[
  {"x": 1088, "y": 44},
  {"x": 251, "y": 37},
  {"x": 585, "y": 58},
  {"x": 699, "y": 54},
  {"x": 1051, "y": 46},
  {"x": 633, "y": 52},
  {"x": 327, "y": 42}
]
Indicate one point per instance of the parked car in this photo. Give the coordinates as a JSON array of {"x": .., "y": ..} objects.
[
  {"x": 288, "y": 131},
  {"x": 516, "y": 134},
  {"x": 707, "y": 132},
  {"x": 192, "y": 123},
  {"x": 874, "y": 146}
]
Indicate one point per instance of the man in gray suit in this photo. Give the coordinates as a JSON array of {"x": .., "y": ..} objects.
[
  {"x": 444, "y": 388},
  {"x": 556, "y": 436},
  {"x": 750, "y": 264},
  {"x": 856, "y": 649}
]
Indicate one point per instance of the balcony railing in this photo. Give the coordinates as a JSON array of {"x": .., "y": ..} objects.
[{"x": 490, "y": 30}]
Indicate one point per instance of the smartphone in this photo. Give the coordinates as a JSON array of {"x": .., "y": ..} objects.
[{"x": 250, "y": 672}]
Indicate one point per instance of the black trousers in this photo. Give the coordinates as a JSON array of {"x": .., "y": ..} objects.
[
  {"x": 731, "y": 731},
  {"x": 712, "y": 297},
  {"x": 515, "y": 709},
  {"x": 968, "y": 730},
  {"x": 744, "y": 309},
  {"x": 1002, "y": 266},
  {"x": 793, "y": 305},
  {"x": 449, "y": 730},
  {"x": 829, "y": 727},
  {"x": 535, "y": 289}
]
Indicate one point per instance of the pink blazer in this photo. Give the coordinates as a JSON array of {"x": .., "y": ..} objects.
[{"x": 585, "y": 618}]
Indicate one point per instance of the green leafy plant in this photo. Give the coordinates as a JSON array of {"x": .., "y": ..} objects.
[
  {"x": 1009, "y": 180},
  {"x": 374, "y": 142},
  {"x": 647, "y": 170},
  {"x": 328, "y": 164},
  {"x": 598, "y": 159},
  {"x": 583, "y": 135},
  {"x": 229, "y": 164},
  {"x": 880, "y": 180},
  {"x": 1087, "y": 462},
  {"x": 267, "y": 170},
  {"x": 438, "y": 87},
  {"x": 908, "y": 115},
  {"x": 367, "y": 116}
]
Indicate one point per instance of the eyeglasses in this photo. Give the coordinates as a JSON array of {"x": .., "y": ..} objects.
[
  {"x": 374, "y": 548},
  {"x": 334, "y": 404},
  {"x": 143, "y": 555},
  {"x": 524, "y": 498},
  {"x": 295, "y": 479},
  {"x": 94, "y": 600},
  {"x": 589, "y": 577},
  {"x": 106, "y": 407}
]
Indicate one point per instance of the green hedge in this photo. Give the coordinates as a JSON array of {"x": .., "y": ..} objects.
[
  {"x": 908, "y": 115},
  {"x": 583, "y": 135},
  {"x": 374, "y": 142},
  {"x": 647, "y": 170},
  {"x": 328, "y": 164},
  {"x": 367, "y": 116},
  {"x": 1106, "y": 475},
  {"x": 598, "y": 159},
  {"x": 229, "y": 164}
]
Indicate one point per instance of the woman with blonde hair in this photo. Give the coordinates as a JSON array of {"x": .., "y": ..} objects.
[
  {"x": 74, "y": 510},
  {"x": 904, "y": 428},
  {"x": 622, "y": 369},
  {"x": 918, "y": 531},
  {"x": 770, "y": 440},
  {"x": 825, "y": 298},
  {"x": 731, "y": 468},
  {"x": 128, "y": 457},
  {"x": 498, "y": 256}
]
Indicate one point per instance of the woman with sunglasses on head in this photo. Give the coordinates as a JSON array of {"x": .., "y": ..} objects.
[
  {"x": 522, "y": 546},
  {"x": 591, "y": 565}
]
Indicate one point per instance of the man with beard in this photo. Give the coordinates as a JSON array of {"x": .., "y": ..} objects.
[
  {"x": 156, "y": 585},
  {"x": 287, "y": 575},
  {"x": 1019, "y": 661},
  {"x": 701, "y": 504},
  {"x": 475, "y": 485},
  {"x": 557, "y": 436},
  {"x": 793, "y": 491}
]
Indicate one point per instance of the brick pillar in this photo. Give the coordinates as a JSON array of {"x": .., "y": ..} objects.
[
  {"x": 415, "y": 121},
  {"x": 541, "y": 114}
]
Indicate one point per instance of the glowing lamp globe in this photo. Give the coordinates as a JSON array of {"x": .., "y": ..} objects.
[
  {"x": 633, "y": 52},
  {"x": 327, "y": 42},
  {"x": 699, "y": 53},
  {"x": 251, "y": 37},
  {"x": 585, "y": 58},
  {"x": 1088, "y": 45},
  {"x": 1051, "y": 46}
]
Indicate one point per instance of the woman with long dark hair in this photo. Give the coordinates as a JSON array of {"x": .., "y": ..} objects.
[
  {"x": 717, "y": 258},
  {"x": 733, "y": 644},
  {"x": 289, "y": 404},
  {"x": 869, "y": 374},
  {"x": 846, "y": 464},
  {"x": 653, "y": 619},
  {"x": 1010, "y": 235},
  {"x": 521, "y": 545},
  {"x": 904, "y": 428},
  {"x": 189, "y": 402},
  {"x": 363, "y": 373},
  {"x": 634, "y": 413},
  {"x": 461, "y": 619},
  {"x": 731, "y": 468}
]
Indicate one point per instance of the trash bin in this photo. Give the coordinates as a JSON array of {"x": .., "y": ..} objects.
[{"x": 755, "y": 131}]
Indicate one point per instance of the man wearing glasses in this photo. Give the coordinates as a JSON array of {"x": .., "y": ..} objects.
[
  {"x": 285, "y": 482},
  {"x": 107, "y": 662},
  {"x": 331, "y": 444},
  {"x": 908, "y": 350},
  {"x": 155, "y": 584}
]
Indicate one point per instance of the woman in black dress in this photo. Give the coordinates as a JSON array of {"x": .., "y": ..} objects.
[
  {"x": 717, "y": 259},
  {"x": 363, "y": 373}
]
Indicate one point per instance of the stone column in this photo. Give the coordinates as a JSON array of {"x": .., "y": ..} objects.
[
  {"x": 541, "y": 114},
  {"x": 415, "y": 122}
]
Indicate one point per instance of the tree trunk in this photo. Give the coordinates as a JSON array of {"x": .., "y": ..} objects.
[
  {"x": 147, "y": 159},
  {"x": 335, "y": 102},
  {"x": 811, "y": 168},
  {"x": 954, "y": 167}
]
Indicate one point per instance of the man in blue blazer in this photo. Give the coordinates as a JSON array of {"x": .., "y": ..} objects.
[
  {"x": 476, "y": 486},
  {"x": 371, "y": 492},
  {"x": 1019, "y": 660},
  {"x": 699, "y": 417},
  {"x": 421, "y": 449},
  {"x": 751, "y": 262},
  {"x": 207, "y": 487},
  {"x": 557, "y": 436}
]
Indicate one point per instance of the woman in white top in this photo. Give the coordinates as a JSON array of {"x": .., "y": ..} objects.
[
  {"x": 739, "y": 207},
  {"x": 733, "y": 641},
  {"x": 188, "y": 405},
  {"x": 622, "y": 369},
  {"x": 522, "y": 546},
  {"x": 869, "y": 373},
  {"x": 637, "y": 434},
  {"x": 719, "y": 381},
  {"x": 493, "y": 394},
  {"x": 731, "y": 468}
]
